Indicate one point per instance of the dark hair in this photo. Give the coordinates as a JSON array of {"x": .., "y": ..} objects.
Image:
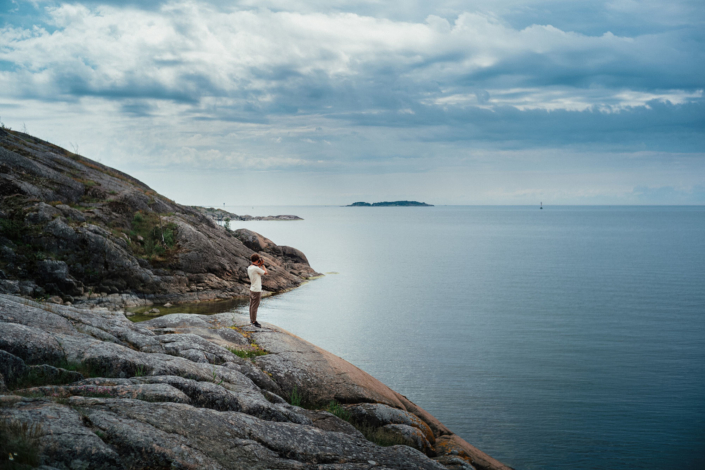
[{"x": 255, "y": 257}]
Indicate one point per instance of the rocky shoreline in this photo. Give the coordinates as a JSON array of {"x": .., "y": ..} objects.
[
  {"x": 86, "y": 388},
  {"x": 221, "y": 216},
  {"x": 75, "y": 231},
  {"x": 83, "y": 387}
]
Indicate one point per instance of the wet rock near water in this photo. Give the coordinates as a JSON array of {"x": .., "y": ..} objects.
[{"x": 90, "y": 389}]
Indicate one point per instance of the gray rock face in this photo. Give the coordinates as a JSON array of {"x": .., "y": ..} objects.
[
  {"x": 408, "y": 436},
  {"x": 8, "y": 286},
  {"x": 167, "y": 393},
  {"x": 378, "y": 415},
  {"x": 95, "y": 229},
  {"x": 12, "y": 368}
]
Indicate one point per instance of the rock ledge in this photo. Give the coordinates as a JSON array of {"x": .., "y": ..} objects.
[{"x": 90, "y": 389}]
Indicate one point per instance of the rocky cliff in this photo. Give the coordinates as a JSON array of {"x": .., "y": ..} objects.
[
  {"x": 82, "y": 232},
  {"x": 90, "y": 389}
]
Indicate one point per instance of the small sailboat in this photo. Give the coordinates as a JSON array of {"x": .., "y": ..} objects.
[{"x": 541, "y": 205}]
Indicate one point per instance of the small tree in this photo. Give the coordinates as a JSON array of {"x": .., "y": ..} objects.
[{"x": 227, "y": 224}]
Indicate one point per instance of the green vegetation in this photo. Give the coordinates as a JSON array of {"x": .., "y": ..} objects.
[
  {"x": 87, "y": 183},
  {"x": 378, "y": 436},
  {"x": 335, "y": 408},
  {"x": 22, "y": 236},
  {"x": 37, "y": 377},
  {"x": 295, "y": 398},
  {"x": 158, "y": 238},
  {"x": 19, "y": 445},
  {"x": 84, "y": 368},
  {"x": 12, "y": 228},
  {"x": 247, "y": 353},
  {"x": 215, "y": 378},
  {"x": 372, "y": 434},
  {"x": 81, "y": 367}
]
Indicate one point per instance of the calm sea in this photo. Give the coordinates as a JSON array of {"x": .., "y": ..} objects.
[{"x": 563, "y": 338}]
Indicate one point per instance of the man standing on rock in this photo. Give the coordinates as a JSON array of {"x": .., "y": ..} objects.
[{"x": 255, "y": 272}]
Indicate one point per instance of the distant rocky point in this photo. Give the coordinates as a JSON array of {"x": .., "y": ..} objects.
[
  {"x": 390, "y": 204},
  {"x": 221, "y": 215}
]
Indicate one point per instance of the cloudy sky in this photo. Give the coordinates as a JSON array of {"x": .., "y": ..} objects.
[{"x": 334, "y": 101}]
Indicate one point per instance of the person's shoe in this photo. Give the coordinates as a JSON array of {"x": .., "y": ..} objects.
[{"x": 257, "y": 324}]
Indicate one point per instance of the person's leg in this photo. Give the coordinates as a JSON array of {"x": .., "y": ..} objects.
[{"x": 254, "y": 305}]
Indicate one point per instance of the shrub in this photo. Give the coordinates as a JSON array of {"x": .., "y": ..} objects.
[
  {"x": 12, "y": 228},
  {"x": 159, "y": 237},
  {"x": 169, "y": 235},
  {"x": 19, "y": 444},
  {"x": 335, "y": 408}
]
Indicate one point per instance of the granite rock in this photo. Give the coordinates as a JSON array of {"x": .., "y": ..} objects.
[
  {"x": 76, "y": 218},
  {"x": 167, "y": 393}
]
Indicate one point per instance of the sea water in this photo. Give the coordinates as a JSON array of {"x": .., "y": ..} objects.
[{"x": 562, "y": 338}]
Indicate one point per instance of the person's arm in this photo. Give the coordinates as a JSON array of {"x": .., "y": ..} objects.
[{"x": 264, "y": 269}]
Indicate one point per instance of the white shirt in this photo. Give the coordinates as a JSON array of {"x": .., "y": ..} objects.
[{"x": 255, "y": 274}]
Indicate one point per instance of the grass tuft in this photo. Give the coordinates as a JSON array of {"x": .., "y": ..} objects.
[
  {"x": 371, "y": 433},
  {"x": 159, "y": 237},
  {"x": 247, "y": 353},
  {"x": 379, "y": 436},
  {"x": 87, "y": 370},
  {"x": 338, "y": 410},
  {"x": 19, "y": 445},
  {"x": 295, "y": 398}
]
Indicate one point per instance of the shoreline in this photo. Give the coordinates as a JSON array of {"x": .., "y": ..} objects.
[{"x": 233, "y": 392}]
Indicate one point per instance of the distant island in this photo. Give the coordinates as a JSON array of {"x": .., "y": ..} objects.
[{"x": 389, "y": 204}]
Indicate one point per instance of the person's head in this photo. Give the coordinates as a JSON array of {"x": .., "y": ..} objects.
[{"x": 256, "y": 259}]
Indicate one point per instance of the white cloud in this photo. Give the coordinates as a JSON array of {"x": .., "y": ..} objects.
[
  {"x": 188, "y": 51},
  {"x": 350, "y": 86}
]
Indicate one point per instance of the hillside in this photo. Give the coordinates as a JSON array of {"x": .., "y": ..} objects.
[
  {"x": 87, "y": 388},
  {"x": 81, "y": 232}
]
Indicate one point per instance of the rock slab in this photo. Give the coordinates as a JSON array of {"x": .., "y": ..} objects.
[{"x": 103, "y": 392}]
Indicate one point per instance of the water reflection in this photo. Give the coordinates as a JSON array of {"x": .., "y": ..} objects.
[{"x": 201, "y": 308}]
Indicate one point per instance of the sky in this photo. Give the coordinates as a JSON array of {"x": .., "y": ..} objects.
[{"x": 299, "y": 102}]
